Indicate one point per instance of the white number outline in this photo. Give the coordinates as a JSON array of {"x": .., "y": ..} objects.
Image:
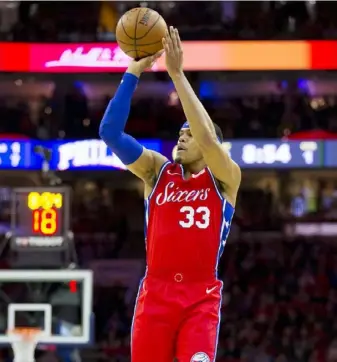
[{"x": 189, "y": 213}]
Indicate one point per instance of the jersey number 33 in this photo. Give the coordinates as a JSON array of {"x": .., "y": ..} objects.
[{"x": 200, "y": 217}]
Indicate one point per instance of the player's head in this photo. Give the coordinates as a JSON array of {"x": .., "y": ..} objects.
[{"x": 187, "y": 149}]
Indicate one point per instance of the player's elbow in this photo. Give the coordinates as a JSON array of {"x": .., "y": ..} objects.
[
  {"x": 103, "y": 131},
  {"x": 109, "y": 131},
  {"x": 109, "y": 134}
]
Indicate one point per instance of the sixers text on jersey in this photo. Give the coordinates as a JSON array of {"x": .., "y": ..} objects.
[{"x": 187, "y": 223}]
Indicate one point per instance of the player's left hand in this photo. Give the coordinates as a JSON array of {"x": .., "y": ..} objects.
[
  {"x": 137, "y": 67},
  {"x": 173, "y": 52}
]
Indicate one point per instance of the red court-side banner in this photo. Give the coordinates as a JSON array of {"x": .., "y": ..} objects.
[{"x": 199, "y": 56}]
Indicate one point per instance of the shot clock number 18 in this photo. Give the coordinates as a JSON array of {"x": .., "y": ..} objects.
[
  {"x": 40, "y": 216},
  {"x": 44, "y": 207}
]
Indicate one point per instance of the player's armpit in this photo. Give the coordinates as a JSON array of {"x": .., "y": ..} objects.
[
  {"x": 147, "y": 166},
  {"x": 223, "y": 168}
]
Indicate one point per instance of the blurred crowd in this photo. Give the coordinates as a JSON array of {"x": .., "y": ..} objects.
[
  {"x": 75, "y": 117},
  {"x": 279, "y": 305},
  {"x": 279, "y": 296},
  {"x": 113, "y": 322},
  {"x": 279, "y": 302},
  {"x": 90, "y": 21},
  {"x": 259, "y": 207}
]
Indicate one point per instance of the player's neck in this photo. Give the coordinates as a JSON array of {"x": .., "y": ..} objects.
[{"x": 193, "y": 168}]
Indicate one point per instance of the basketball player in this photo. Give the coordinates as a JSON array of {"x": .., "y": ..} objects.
[{"x": 189, "y": 207}]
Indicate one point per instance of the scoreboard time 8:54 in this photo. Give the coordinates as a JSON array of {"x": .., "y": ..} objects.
[{"x": 40, "y": 217}]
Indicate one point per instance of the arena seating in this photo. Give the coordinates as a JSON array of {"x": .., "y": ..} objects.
[
  {"x": 90, "y": 21},
  {"x": 263, "y": 117}
]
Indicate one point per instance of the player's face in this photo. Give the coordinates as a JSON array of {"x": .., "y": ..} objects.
[{"x": 187, "y": 149}]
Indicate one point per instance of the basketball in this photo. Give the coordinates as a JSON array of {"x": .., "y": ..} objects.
[{"x": 140, "y": 31}]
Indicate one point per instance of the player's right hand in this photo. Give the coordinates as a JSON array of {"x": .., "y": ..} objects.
[{"x": 137, "y": 67}]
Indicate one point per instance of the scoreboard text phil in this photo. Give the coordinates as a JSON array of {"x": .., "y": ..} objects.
[{"x": 45, "y": 209}]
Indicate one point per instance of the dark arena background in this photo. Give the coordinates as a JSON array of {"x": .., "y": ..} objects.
[{"x": 266, "y": 72}]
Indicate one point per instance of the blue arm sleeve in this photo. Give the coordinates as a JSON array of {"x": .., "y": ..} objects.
[{"x": 113, "y": 123}]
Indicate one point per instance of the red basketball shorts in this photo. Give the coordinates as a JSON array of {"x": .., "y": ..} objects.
[{"x": 176, "y": 319}]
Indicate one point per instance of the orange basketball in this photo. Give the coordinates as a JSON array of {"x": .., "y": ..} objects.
[{"x": 140, "y": 31}]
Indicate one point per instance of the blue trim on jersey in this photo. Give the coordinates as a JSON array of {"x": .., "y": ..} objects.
[
  {"x": 227, "y": 216},
  {"x": 219, "y": 322},
  {"x": 228, "y": 213},
  {"x": 222, "y": 230},
  {"x": 146, "y": 220}
]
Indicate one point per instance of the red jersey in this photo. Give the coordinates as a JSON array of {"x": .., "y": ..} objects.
[{"x": 187, "y": 223}]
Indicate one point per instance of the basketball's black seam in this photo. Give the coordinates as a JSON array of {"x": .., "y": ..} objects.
[
  {"x": 135, "y": 39},
  {"x": 140, "y": 45},
  {"x": 153, "y": 25},
  {"x": 125, "y": 30}
]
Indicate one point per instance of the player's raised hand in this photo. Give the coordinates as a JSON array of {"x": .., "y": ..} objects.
[
  {"x": 173, "y": 52},
  {"x": 137, "y": 67}
]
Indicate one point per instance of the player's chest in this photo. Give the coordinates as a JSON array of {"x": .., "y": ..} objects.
[{"x": 189, "y": 204}]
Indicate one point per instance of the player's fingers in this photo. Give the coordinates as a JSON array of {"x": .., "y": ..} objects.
[
  {"x": 172, "y": 34},
  {"x": 177, "y": 44},
  {"x": 178, "y": 39},
  {"x": 174, "y": 38},
  {"x": 168, "y": 40},
  {"x": 166, "y": 49}
]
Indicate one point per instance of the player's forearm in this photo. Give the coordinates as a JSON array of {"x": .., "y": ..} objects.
[
  {"x": 113, "y": 123},
  {"x": 117, "y": 112},
  {"x": 200, "y": 123}
]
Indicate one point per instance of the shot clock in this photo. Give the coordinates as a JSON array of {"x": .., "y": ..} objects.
[
  {"x": 40, "y": 217},
  {"x": 45, "y": 212}
]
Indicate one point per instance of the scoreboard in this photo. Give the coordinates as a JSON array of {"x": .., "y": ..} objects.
[
  {"x": 331, "y": 154},
  {"x": 277, "y": 154},
  {"x": 40, "y": 217},
  {"x": 95, "y": 155}
]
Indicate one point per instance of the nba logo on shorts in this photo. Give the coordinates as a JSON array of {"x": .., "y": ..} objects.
[{"x": 200, "y": 357}]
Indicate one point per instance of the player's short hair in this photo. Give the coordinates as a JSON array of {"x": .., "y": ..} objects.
[{"x": 218, "y": 132}]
